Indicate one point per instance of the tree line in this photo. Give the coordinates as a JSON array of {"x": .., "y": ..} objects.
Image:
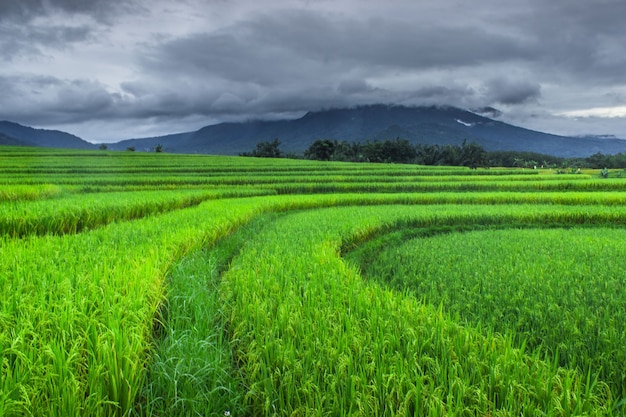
[
  {"x": 390, "y": 151},
  {"x": 469, "y": 154}
]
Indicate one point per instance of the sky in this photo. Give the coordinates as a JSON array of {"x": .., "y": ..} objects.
[{"x": 108, "y": 70}]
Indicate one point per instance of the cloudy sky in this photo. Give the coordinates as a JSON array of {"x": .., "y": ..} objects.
[{"x": 107, "y": 70}]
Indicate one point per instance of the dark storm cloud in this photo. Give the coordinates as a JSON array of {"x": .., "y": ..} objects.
[
  {"x": 356, "y": 86},
  {"x": 29, "y": 26},
  {"x": 563, "y": 17},
  {"x": 298, "y": 45},
  {"x": 57, "y": 100},
  {"x": 579, "y": 38},
  {"x": 395, "y": 41},
  {"x": 292, "y": 51},
  {"x": 302, "y": 58},
  {"x": 21, "y": 10},
  {"x": 457, "y": 94},
  {"x": 239, "y": 59},
  {"x": 506, "y": 91},
  {"x": 18, "y": 40},
  {"x": 99, "y": 10}
]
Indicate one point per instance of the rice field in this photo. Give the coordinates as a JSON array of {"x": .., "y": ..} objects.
[{"x": 138, "y": 284}]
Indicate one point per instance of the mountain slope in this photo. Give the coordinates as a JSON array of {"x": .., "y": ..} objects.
[
  {"x": 8, "y": 140},
  {"x": 16, "y": 134},
  {"x": 426, "y": 125},
  {"x": 148, "y": 144}
]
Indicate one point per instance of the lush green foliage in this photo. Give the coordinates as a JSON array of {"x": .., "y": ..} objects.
[
  {"x": 266, "y": 150},
  {"x": 398, "y": 151},
  {"x": 154, "y": 284},
  {"x": 467, "y": 154},
  {"x": 312, "y": 335},
  {"x": 555, "y": 290}
]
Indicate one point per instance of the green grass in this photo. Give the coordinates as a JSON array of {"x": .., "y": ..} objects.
[
  {"x": 311, "y": 335},
  {"x": 86, "y": 303},
  {"x": 555, "y": 291},
  {"x": 191, "y": 370},
  {"x": 75, "y": 213},
  {"x": 28, "y": 192},
  {"x": 155, "y": 284}
]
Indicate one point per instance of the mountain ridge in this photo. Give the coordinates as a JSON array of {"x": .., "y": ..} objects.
[
  {"x": 12, "y": 133},
  {"x": 441, "y": 125}
]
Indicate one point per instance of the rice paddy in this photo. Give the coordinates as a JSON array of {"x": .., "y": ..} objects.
[{"x": 142, "y": 284}]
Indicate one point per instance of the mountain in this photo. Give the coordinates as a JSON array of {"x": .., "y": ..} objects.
[
  {"x": 425, "y": 125},
  {"x": 487, "y": 112},
  {"x": 16, "y": 134},
  {"x": 8, "y": 140},
  {"x": 172, "y": 143}
]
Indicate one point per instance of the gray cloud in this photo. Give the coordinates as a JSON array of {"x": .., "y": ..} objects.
[
  {"x": 578, "y": 38},
  {"x": 354, "y": 86},
  {"x": 460, "y": 95},
  {"x": 163, "y": 62},
  {"x": 29, "y": 27},
  {"x": 302, "y": 58},
  {"x": 16, "y": 40},
  {"x": 102, "y": 11},
  {"x": 294, "y": 45},
  {"x": 507, "y": 91},
  {"x": 57, "y": 100},
  {"x": 393, "y": 41}
]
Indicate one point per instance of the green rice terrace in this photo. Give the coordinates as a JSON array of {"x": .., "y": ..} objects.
[{"x": 137, "y": 284}]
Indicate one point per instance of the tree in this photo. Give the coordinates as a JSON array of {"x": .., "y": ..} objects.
[
  {"x": 450, "y": 155},
  {"x": 158, "y": 148},
  {"x": 473, "y": 155},
  {"x": 321, "y": 150},
  {"x": 396, "y": 151},
  {"x": 428, "y": 154},
  {"x": 598, "y": 160},
  {"x": 266, "y": 150},
  {"x": 400, "y": 151},
  {"x": 103, "y": 147}
]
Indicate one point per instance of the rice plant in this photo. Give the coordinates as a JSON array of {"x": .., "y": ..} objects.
[
  {"x": 311, "y": 335},
  {"x": 554, "y": 290},
  {"x": 151, "y": 284}
]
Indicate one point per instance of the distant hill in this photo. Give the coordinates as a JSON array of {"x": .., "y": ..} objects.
[
  {"x": 16, "y": 134},
  {"x": 8, "y": 140},
  {"x": 426, "y": 125},
  {"x": 170, "y": 142}
]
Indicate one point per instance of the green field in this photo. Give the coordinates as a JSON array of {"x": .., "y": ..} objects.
[{"x": 138, "y": 284}]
